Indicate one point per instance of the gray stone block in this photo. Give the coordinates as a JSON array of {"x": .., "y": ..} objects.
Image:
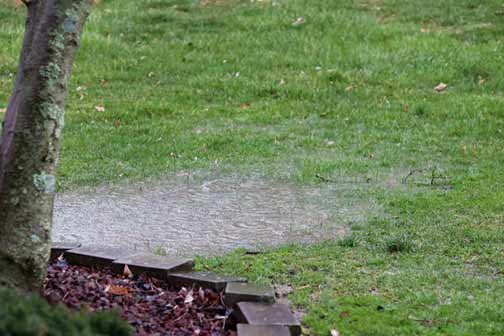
[
  {"x": 253, "y": 330},
  {"x": 94, "y": 256},
  {"x": 238, "y": 292},
  {"x": 262, "y": 314},
  {"x": 202, "y": 279},
  {"x": 157, "y": 266}
]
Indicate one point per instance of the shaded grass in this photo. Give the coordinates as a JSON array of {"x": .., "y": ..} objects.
[{"x": 202, "y": 84}]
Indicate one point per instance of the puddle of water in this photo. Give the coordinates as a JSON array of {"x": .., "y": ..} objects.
[{"x": 206, "y": 217}]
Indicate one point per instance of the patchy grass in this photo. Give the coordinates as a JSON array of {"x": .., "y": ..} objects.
[{"x": 220, "y": 85}]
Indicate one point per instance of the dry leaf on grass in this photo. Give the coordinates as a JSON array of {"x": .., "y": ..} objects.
[
  {"x": 441, "y": 87},
  {"x": 2, "y": 110},
  {"x": 299, "y": 21},
  {"x": 344, "y": 314},
  {"x": 334, "y": 332},
  {"x": 100, "y": 108}
]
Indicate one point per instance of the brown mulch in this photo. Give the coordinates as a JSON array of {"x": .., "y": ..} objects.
[{"x": 150, "y": 305}]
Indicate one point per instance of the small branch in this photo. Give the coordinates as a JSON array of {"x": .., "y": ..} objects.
[
  {"x": 411, "y": 173},
  {"x": 324, "y": 179},
  {"x": 366, "y": 179},
  {"x": 435, "y": 177}
]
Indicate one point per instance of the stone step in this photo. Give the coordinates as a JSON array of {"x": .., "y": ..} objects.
[
  {"x": 58, "y": 248},
  {"x": 253, "y": 330},
  {"x": 202, "y": 279},
  {"x": 238, "y": 292},
  {"x": 154, "y": 265},
  {"x": 94, "y": 256},
  {"x": 263, "y": 314}
]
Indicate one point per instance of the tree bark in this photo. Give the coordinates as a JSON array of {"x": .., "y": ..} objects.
[{"x": 30, "y": 142}]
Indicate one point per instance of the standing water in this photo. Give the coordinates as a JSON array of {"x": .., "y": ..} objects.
[{"x": 185, "y": 217}]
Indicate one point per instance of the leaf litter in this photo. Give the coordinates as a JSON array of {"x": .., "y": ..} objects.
[{"x": 150, "y": 305}]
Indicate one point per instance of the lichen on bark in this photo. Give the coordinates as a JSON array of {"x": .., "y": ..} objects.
[{"x": 45, "y": 183}]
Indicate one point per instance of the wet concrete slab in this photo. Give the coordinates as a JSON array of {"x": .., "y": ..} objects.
[{"x": 207, "y": 216}]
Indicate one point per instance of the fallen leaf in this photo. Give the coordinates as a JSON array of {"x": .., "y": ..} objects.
[
  {"x": 100, "y": 108},
  {"x": 344, "y": 314},
  {"x": 482, "y": 81},
  {"x": 349, "y": 88},
  {"x": 245, "y": 105},
  {"x": 299, "y": 21},
  {"x": 334, "y": 332},
  {"x": 423, "y": 30},
  {"x": 428, "y": 323},
  {"x": 116, "y": 290},
  {"x": 127, "y": 272},
  {"x": 201, "y": 294},
  {"x": 189, "y": 297},
  {"x": 3, "y": 110},
  {"x": 441, "y": 87}
]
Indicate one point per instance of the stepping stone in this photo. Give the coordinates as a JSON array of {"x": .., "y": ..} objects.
[
  {"x": 238, "y": 292},
  {"x": 94, "y": 256},
  {"x": 202, "y": 279},
  {"x": 262, "y": 314},
  {"x": 157, "y": 266},
  {"x": 58, "y": 248},
  {"x": 253, "y": 330}
]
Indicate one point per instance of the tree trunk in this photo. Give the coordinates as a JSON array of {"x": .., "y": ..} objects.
[{"x": 30, "y": 142}]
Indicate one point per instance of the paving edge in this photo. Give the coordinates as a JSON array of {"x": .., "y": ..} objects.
[{"x": 100, "y": 257}]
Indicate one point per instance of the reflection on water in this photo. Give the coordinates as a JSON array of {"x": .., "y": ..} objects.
[{"x": 208, "y": 217}]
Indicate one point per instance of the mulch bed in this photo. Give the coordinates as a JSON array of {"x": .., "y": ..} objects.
[{"x": 150, "y": 305}]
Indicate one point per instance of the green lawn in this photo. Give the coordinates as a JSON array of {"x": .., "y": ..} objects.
[{"x": 232, "y": 85}]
